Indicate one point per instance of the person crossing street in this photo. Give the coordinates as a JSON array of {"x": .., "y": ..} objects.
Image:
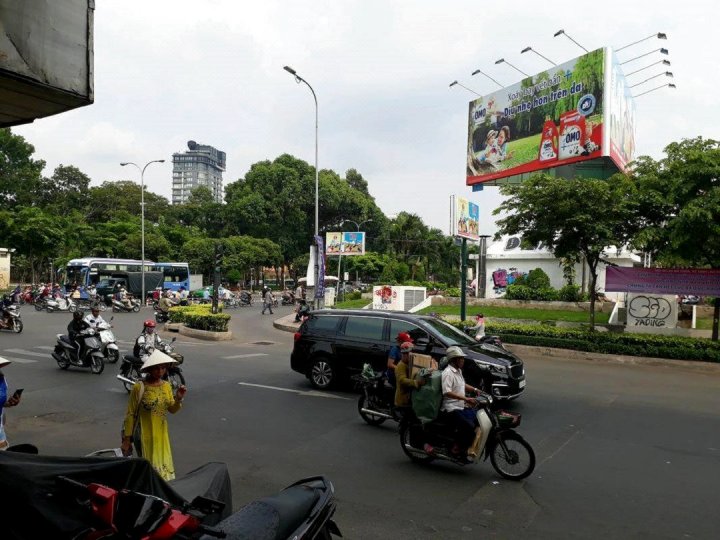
[{"x": 267, "y": 301}]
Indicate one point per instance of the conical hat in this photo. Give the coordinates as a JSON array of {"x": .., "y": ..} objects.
[
  {"x": 4, "y": 361},
  {"x": 157, "y": 358}
]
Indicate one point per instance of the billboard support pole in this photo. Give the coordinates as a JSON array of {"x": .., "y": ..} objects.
[
  {"x": 463, "y": 278},
  {"x": 716, "y": 319}
]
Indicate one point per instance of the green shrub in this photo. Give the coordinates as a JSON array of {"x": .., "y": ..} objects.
[
  {"x": 355, "y": 295},
  {"x": 537, "y": 279},
  {"x": 452, "y": 291},
  {"x": 200, "y": 317},
  {"x": 546, "y": 294},
  {"x": 570, "y": 293},
  {"x": 673, "y": 347},
  {"x": 518, "y": 292}
]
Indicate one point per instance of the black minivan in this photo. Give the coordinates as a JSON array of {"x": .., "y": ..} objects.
[{"x": 333, "y": 344}]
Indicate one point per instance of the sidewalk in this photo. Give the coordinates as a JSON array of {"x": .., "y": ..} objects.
[{"x": 287, "y": 323}]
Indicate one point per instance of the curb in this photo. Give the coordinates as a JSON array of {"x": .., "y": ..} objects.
[
  {"x": 570, "y": 354},
  {"x": 287, "y": 323},
  {"x": 204, "y": 334}
]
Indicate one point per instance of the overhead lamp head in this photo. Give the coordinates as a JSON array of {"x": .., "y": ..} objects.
[
  {"x": 475, "y": 72},
  {"x": 500, "y": 61},
  {"x": 526, "y": 49},
  {"x": 161, "y": 161},
  {"x": 666, "y": 62},
  {"x": 290, "y": 70},
  {"x": 558, "y": 33},
  {"x": 669, "y": 74},
  {"x": 661, "y": 35},
  {"x": 671, "y": 85},
  {"x": 123, "y": 164},
  {"x": 664, "y": 51},
  {"x": 453, "y": 83}
]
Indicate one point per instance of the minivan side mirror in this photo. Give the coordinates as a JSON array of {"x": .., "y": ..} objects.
[{"x": 422, "y": 343}]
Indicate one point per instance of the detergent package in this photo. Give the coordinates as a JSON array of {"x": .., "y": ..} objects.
[
  {"x": 548, "y": 142},
  {"x": 572, "y": 135}
]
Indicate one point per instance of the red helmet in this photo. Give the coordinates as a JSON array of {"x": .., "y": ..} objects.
[
  {"x": 404, "y": 337},
  {"x": 149, "y": 323}
]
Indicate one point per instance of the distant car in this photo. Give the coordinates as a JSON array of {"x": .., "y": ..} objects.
[{"x": 332, "y": 345}]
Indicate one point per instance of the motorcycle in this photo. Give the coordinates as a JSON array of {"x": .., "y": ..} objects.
[
  {"x": 68, "y": 354},
  {"x": 62, "y": 303},
  {"x": 118, "y": 306},
  {"x": 377, "y": 401},
  {"x": 303, "y": 312},
  {"x": 161, "y": 316},
  {"x": 287, "y": 299},
  {"x": 110, "y": 349},
  {"x": 246, "y": 299},
  {"x": 511, "y": 456},
  {"x": 131, "y": 366},
  {"x": 115, "y": 497},
  {"x": 11, "y": 319}
]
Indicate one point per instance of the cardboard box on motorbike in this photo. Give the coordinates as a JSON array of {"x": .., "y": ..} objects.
[{"x": 421, "y": 361}]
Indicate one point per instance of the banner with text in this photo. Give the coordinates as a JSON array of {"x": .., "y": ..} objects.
[
  {"x": 345, "y": 243},
  {"x": 691, "y": 281}
]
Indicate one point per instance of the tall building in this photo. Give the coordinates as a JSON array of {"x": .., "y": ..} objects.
[{"x": 200, "y": 165}]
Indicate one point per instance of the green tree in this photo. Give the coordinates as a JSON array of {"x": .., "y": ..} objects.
[
  {"x": 680, "y": 207},
  {"x": 20, "y": 174},
  {"x": 36, "y": 235},
  {"x": 557, "y": 212},
  {"x": 66, "y": 189}
]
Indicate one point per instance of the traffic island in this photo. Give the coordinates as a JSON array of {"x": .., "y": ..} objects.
[
  {"x": 287, "y": 323},
  {"x": 204, "y": 334},
  {"x": 199, "y": 322}
]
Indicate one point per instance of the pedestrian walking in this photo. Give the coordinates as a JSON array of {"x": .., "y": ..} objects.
[
  {"x": 5, "y": 401},
  {"x": 267, "y": 301}
]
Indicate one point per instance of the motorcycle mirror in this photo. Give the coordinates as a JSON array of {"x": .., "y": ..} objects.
[{"x": 173, "y": 340}]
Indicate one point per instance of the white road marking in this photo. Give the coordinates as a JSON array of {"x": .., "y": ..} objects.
[
  {"x": 20, "y": 360},
  {"x": 44, "y": 347},
  {"x": 311, "y": 393},
  {"x": 249, "y": 355},
  {"x": 27, "y": 353}
]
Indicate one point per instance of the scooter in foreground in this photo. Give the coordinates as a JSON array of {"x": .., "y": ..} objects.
[
  {"x": 67, "y": 353},
  {"x": 376, "y": 403},
  {"x": 131, "y": 366},
  {"x": 10, "y": 318},
  {"x": 511, "y": 456}
]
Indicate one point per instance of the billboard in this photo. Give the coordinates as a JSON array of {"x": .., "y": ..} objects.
[
  {"x": 620, "y": 115},
  {"x": 467, "y": 215},
  {"x": 554, "y": 118},
  {"x": 345, "y": 243}
]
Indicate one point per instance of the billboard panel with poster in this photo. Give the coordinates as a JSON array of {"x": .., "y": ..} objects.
[
  {"x": 345, "y": 243},
  {"x": 551, "y": 119},
  {"x": 467, "y": 215},
  {"x": 619, "y": 115}
]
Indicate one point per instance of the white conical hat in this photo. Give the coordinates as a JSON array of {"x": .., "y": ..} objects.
[
  {"x": 4, "y": 361},
  {"x": 157, "y": 358}
]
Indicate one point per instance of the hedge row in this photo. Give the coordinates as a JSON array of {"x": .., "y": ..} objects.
[
  {"x": 658, "y": 346},
  {"x": 200, "y": 317}
]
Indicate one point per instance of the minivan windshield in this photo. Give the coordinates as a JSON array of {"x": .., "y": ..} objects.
[{"x": 451, "y": 334}]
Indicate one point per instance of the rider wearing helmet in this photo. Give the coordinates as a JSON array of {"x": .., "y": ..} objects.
[
  {"x": 165, "y": 303},
  {"x": 455, "y": 404},
  {"x": 147, "y": 341},
  {"x": 94, "y": 318}
]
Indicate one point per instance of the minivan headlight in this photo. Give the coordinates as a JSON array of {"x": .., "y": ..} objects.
[{"x": 498, "y": 369}]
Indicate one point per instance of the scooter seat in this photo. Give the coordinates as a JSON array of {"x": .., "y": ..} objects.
[
  {"x": 271, "y": 518},
  {"x": 134, "y": 360},
  {"x": 66, "y": 339}
]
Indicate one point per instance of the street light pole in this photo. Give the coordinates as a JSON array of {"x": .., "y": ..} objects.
[
  {"x": 299, "y": 79},
  {"x": 142, "y": 220}
]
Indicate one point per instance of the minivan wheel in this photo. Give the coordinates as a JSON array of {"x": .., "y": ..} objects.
[{"x": 322, "y": 374}]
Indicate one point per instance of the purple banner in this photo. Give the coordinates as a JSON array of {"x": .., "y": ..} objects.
[
  {"x": 320, "y": 285},
  {"x": 696, "y": 281}
]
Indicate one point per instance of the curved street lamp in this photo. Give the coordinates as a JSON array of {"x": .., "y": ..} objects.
[
  {"x": 142, "y": 218},
  {"x": 299, "y": 79}
]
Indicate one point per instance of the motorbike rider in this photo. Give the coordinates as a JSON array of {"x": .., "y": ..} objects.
[
  {"x": 125, "y": 298},
  {"x": 147, "y": 341},
  {"x": 165, "y": 303},
  {"x": 394, "y": 355},
  {"x": 405, "y": 384},
  {"x": 94, "y": 318},
  {"x": 75, "y": 329},
  {"x": 457, "y": 406}
]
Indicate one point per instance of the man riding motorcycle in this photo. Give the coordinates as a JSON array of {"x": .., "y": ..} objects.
[
  {"x": 147, "y": 341},
  {"x": 74, "y": 330},
  {"x": 165, "y": 303},
  {"x": 94, "y": 318}
]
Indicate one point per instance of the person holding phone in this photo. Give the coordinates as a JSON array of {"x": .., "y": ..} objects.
[{"x": 6, "y": 401}]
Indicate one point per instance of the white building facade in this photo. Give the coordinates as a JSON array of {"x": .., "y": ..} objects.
[{"x": 200, "y": 165}]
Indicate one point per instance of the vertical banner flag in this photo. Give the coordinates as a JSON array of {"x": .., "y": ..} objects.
[
  {"x": 320, "y": 285},
  {"x": 467, "y": 215}
]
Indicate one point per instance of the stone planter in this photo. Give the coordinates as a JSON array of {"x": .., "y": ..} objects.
[{"x": 204, "y": 334}]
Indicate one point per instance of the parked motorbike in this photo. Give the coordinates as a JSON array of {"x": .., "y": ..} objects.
[
  {"x": 110, "y": 349},
  {"x": 130, "y": 368},
  {"x": 115, "y": 497},
  {"x": 62, "y": 303},
  {"x": 119, "y": 306},
  {"x": 377, "y": 401},
  {"x": 10, "y": 318},
  {"x": 67, "y": 353},
  {"x": 511, "y": 456}
]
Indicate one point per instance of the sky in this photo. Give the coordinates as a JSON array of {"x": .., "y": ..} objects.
[{"x": 169, "y": 71}]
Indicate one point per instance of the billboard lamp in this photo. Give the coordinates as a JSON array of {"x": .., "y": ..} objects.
[
  {"x": 662, "y": 51},
  {"x": 463, "y": 86},
  {"x": 663, "y": 62},
  {"x": 488, "y": 76},
  {"x": 667, "y": 74},
  {"x": 659, "y": 35},
  {"x": 669, "y": 85},
  {"x": 526, "y": 49},
  {"x": 503, "y": 61},
  {"x": 562, "y": 32}
]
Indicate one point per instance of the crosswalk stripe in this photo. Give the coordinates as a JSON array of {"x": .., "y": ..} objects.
[
  {"x": 249, "y": 355},
  {"x": 20, "y": 360},
  {"x": 44, "y": 347},
  {"x": 27, "y": 353}
]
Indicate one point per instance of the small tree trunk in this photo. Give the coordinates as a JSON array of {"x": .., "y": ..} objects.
[
  {"x": 716, "y": 319},
  {"x": 593, "y": 281}
]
